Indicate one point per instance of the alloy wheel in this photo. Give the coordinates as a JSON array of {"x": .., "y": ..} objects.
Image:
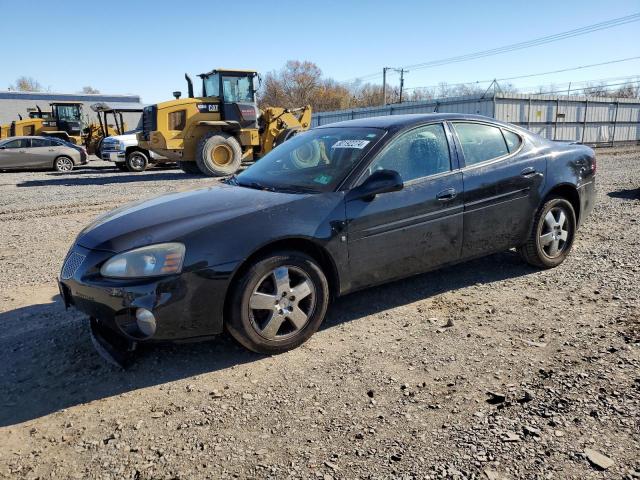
[
  {"x": 554, "y": 233},
  {"x": 282, "y": 303},
  {"x": 64, "y": 164}
]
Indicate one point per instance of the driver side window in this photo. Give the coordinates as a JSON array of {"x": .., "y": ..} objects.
[{"x": 419, "y": 153}]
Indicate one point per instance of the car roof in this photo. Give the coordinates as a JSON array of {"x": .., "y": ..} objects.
[
  {"x": 19, "y": 137},
  {"x": 397, "y": 122}
]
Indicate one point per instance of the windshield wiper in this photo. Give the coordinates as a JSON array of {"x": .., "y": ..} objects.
[{"x": 256, "y": 186}]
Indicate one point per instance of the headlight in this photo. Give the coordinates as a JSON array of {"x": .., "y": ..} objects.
[
  {"x": 150, "y": 261},
  {"x": 121, "y": 146}
]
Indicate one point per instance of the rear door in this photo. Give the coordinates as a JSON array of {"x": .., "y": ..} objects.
[
  {"x": 397, "y": 234},
  {"x": 502, "y": 184},
  {"x": 14, "y": 153},
  {"x": 42, "y": 153}
]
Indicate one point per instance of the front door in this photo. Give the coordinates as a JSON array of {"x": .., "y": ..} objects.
[
  {"x": 14, "y": 153},
  {"x": 502, "y": 184},
  {"x": 415, "y": 229}
]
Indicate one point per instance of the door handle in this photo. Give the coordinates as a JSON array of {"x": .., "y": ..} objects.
[
  {"x": 447, "y": 194},
  {"x": 529, "y": 172}
]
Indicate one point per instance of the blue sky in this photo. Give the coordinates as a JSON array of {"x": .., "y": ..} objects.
[{"x": 144, "y": 47}]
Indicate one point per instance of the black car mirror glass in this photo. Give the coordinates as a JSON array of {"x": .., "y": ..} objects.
[{"x": 380, "y": 181}]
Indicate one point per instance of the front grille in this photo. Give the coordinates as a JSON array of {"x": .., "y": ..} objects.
[
  {"x": 110, "y": 147},
  {"x": 149, "y": 121},
  {"x": 71, "y": 264}
]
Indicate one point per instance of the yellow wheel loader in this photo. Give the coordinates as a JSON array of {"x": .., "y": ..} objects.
[
  {"x": 218, "y": 131},
  {"x": 5, "y": 131},
  {"x": 64, "y": 121}
]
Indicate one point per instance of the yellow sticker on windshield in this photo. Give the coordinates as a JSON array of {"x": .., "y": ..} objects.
[{"x": 359, "y": 144}]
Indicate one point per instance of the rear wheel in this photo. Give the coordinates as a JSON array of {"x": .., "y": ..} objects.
[
  {"x": 190, "y": 167},
  {"x": 278, "y": 303},
  {"x": 552, "y": 234},
  {"x": 136, "y": 161},
  {"x": 63, "y": 164},
  {"x": 218, "y": 154}
]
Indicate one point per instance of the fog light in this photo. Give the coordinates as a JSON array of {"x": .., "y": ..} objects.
[{"x": 146, "y": 321}]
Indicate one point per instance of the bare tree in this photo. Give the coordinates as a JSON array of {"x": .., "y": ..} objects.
[
  {"x": 90, "y": 90},
  {"x": 27, "y": 84}
]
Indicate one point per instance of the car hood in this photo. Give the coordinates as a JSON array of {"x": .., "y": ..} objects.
[{"x": 171, "y": 217}]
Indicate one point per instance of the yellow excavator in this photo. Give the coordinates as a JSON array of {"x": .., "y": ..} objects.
[{"x": 219, "y": 130}]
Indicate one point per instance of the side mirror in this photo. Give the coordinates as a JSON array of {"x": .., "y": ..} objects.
[{"x": 380, "y": 181}]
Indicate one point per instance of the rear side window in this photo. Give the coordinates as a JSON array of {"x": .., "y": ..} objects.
[
  {"x": 480, "y": 142},
  {"x": 39, "y": 142},
  {"x": 513, "y": 140}
]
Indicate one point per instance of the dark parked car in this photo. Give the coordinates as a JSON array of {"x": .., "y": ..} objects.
[
  {"x": 40, "y": 153},
  {"x": 336, "y": 209}
]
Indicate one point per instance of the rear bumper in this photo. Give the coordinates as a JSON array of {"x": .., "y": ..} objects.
[
  {"x": 185, "y": 306},
  {"x": 587, "y": 193}
]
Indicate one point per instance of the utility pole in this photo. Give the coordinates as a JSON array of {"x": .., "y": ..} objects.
[
  {"x": 402, "y": 70},
  {"x": 384, "y": 85}
]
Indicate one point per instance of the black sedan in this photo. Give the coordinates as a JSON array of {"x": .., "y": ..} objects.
[{"x": 333, "y": 210}]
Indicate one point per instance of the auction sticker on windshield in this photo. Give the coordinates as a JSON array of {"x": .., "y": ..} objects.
[{"x": 359, "y": 144}]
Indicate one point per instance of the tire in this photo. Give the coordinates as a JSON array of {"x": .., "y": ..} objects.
[
  {"x": 137, "y": 161},
  {"x": 63, "y": 164},
  {"x": 286, "y": 321},
  {"x": 552, "y": 235},
  {"x": 218, "y": 154},
  {"x": 122, "y": 166},
  {"x": 190, "y": 167}
]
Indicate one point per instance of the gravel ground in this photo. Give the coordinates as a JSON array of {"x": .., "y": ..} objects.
[{"x": 489, "y": 369}]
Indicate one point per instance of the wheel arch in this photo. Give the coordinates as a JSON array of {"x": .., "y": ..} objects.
[
  {"x": 136, "y": 148},
  {"x": 300, "y": 244},
  {"x": 569, "y": 192}
]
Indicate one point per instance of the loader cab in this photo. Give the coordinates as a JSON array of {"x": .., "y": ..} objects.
[
  {"x": 236, "y": 93},
  {"x": 68, "y": 117}
]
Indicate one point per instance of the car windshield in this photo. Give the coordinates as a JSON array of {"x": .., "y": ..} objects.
[{"x": 315, "y": 161}]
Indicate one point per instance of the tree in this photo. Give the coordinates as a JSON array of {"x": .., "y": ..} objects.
[
  {"x": 27, "y": 84},
  {"x": 90, "y": 90}
]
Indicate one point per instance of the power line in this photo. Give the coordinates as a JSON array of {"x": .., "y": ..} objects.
[
  {"x": 531, "y": 75},
  {"x": 633, "y": 82},
  {"x": 517, "y": 46}
]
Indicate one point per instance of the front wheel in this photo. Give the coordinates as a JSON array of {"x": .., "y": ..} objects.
[
  {"x": 278, "y": 303},
  {"x": 63, "y": 164},
  {"x": 218, "y": 154},
  {"x": 552, "y": 234},
  {"x": 137, "y": 161}
]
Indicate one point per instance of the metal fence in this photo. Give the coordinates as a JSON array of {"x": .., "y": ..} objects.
[{"x": 590, "y": 120}]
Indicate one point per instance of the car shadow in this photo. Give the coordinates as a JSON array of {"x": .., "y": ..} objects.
[
  {"x": 81, "y": 179},
  {"x": 47, "y": 361},
  {"x": 626, "y": 194}
]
